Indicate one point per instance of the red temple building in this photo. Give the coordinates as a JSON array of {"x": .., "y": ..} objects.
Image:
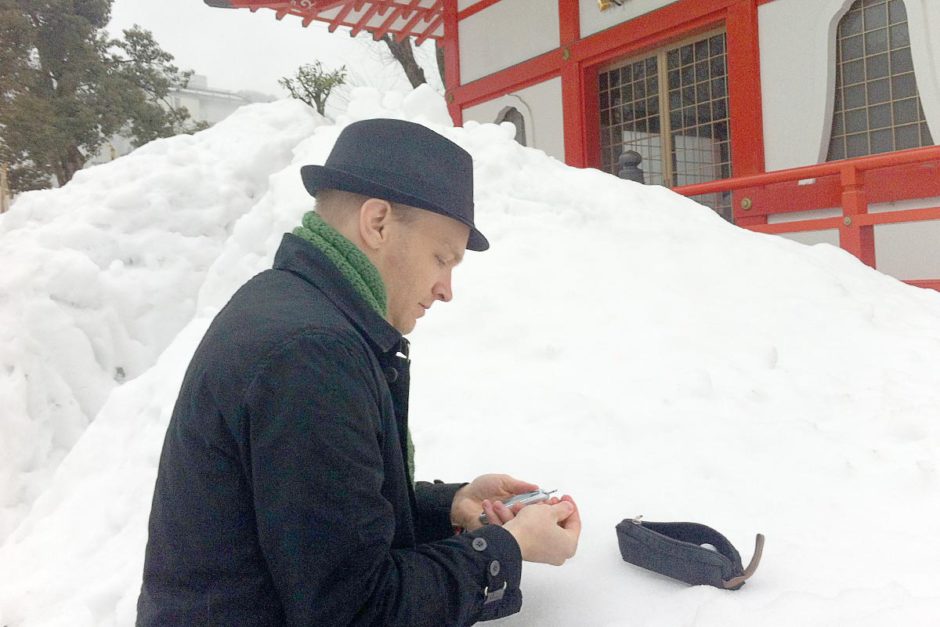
[{"x": 813, "y": 119}]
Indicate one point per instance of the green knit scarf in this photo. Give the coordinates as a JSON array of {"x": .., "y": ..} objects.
[{"x": 355, "y": 268}]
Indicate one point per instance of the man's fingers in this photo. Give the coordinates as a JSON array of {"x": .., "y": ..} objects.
[
  {"x": 573, "y": 521},
  {"x": 490, "y": 512},
  {"x": 517, "y": 486},
  {"x": 504, "y": 513},
  {"x": 497, "y": 513},
  {"x": 562, "y": 511},
  {"x": 572, "y": 524}
]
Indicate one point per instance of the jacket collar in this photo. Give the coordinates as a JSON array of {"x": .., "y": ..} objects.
[{"x": 303, "y": 259}]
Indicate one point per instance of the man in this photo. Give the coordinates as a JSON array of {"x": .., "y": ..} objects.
[{"x": 285, "y": 492}]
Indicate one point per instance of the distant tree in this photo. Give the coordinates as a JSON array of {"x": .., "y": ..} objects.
[
  {"x": 66, "y": 88},
  {"x": 312, "y": 84},
  {"x": 439, "y": 55},
  {"x": 405, "y": 55}
]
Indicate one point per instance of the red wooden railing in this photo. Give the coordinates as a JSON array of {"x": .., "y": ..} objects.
[{"x": 851, "y": 184}]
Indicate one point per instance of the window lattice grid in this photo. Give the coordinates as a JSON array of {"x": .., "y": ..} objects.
[
  {"x": 877, "y": 106},
  {"x": 698, "y": 101},
  {"x": 630, "y": 116},
  {"x": 674, "y": 104}
]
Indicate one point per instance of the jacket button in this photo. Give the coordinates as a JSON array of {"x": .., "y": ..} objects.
[
  {"x": 479, "y": 544},
  {"x": 494, "y": 568},
  {"x": 391, "y": 374}
]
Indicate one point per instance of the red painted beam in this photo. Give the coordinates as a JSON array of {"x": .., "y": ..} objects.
[
  {"x": 798, "y": 226},
  {"x": 918, "y": 180},
  {"x": 411, "y": 7},
  {"x": 651, "y": 30},
  {"x": 513, "y": 78},
  {"x": 572, "y": 90},
  {"x": 387, "y": 24},
  {"x": 886, "y": 160},
  {"x": 744, "y": 89},
  {"x": 895, "y": 217},
  {"x": 451, "y": 61},
  {"x": 429, "y": 30},
  {"x": 339, "y": 17},
  {"x": 853, "y": 237},
  {"x": 408, "y": 28},
  {"x": 363, "y": 20},
  {"x": 473, "y": 9},
  {"x": 569, "y": 21},
  {"x": 929, "y": 284},
  {"x": 869, "y": 219}
]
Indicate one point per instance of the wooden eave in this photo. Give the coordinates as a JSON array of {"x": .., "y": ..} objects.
[{"x": 421, "y": 19}]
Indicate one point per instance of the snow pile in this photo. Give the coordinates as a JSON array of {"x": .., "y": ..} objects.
[
  {"x": 619, "y": 343},
  {"x": 101, "y": 275}
]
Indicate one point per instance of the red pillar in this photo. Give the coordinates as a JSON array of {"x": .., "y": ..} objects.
[
  {"x": 452, "y": 60},
  {"x": 572, "y": 89},
  {"x": 744, "y": 100},
  {"x": 858, "y": 240}
]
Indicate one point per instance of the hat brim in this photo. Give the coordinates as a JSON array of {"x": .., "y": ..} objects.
[{"x": 318, "y": 177}]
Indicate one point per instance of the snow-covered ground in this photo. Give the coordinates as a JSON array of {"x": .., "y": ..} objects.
[{"x": 619, "y": 342}]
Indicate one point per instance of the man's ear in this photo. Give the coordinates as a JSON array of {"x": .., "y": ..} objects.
[{"x": 374, "y": 217}]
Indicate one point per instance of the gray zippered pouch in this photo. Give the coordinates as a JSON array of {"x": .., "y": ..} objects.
[{"x": 678, "y": 550}]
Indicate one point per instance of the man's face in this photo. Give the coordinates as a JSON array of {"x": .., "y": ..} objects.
[{"x": 421, "y": 256}]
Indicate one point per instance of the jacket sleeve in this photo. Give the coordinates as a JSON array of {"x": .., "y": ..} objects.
[
  {"x": 324, "y": 527},
  {"x": 434, "y": 502}
]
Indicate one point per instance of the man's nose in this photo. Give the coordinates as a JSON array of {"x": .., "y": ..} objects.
[{"x": 443, "y": 290}]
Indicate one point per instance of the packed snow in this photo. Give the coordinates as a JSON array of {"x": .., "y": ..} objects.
[{"x": 618, "y": 342}]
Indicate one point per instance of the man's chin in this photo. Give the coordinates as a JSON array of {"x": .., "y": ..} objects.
[{"x": 405, "y": 326}]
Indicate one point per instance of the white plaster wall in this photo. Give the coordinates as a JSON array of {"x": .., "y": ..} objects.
[
  {"x": 924, "y": 26},
  {"x": 504, "y": 34},
  {"x": 825, "y": 236},
  {"x": 594, "y": 20},
  {"x": 541, "y": 106},
  {"x": 797, "y": 52},
  {"x": 909, "y": 250},
  {"x": 811, "y": 238}
]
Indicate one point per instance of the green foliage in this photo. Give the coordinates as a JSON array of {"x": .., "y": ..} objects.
[
  {"x": 313, "y": 85},
  {"x": 66, "y": 88}
]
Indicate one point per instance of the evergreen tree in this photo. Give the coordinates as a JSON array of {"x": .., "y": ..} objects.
[{"x": 66, "y": 88}]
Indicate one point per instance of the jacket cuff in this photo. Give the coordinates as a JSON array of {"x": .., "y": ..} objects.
[
  {"x": 501, "y": 595},
  {"x": 434, "y": 501}
]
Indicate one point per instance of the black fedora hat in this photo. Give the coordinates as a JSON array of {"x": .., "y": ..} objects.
[{"x": 401, "y": 162}]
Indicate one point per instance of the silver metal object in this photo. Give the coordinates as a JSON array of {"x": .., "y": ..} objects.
[{"x": 524, "y": 499}]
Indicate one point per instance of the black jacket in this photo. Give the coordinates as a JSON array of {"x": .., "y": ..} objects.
[{"x": 283, "y": 495}]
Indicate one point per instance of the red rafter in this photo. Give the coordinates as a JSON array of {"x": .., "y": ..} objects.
[
  {"x": 411, "y": 7},
  {"x": 340, "y": 17},
  {"x": 409, "y": 26},
  {"x": 387, "y": 24},
  {"x": 364, "y": 20},
  {"x": 390, "y": 12},
  {"x": 429, "y": 30}
]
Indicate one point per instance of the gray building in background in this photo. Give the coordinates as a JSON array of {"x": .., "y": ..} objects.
[{"x": 204, "y": 105}]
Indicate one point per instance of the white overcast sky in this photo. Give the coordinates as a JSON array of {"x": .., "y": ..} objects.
[{"x": 237, "y": 49}]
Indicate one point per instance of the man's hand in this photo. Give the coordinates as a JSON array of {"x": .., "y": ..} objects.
[
  {"x": 468, "y": 501},
  {"x": 547, "y": 533}
]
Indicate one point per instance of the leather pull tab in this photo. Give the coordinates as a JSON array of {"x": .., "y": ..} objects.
[{"x": 736, "y": 582}]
